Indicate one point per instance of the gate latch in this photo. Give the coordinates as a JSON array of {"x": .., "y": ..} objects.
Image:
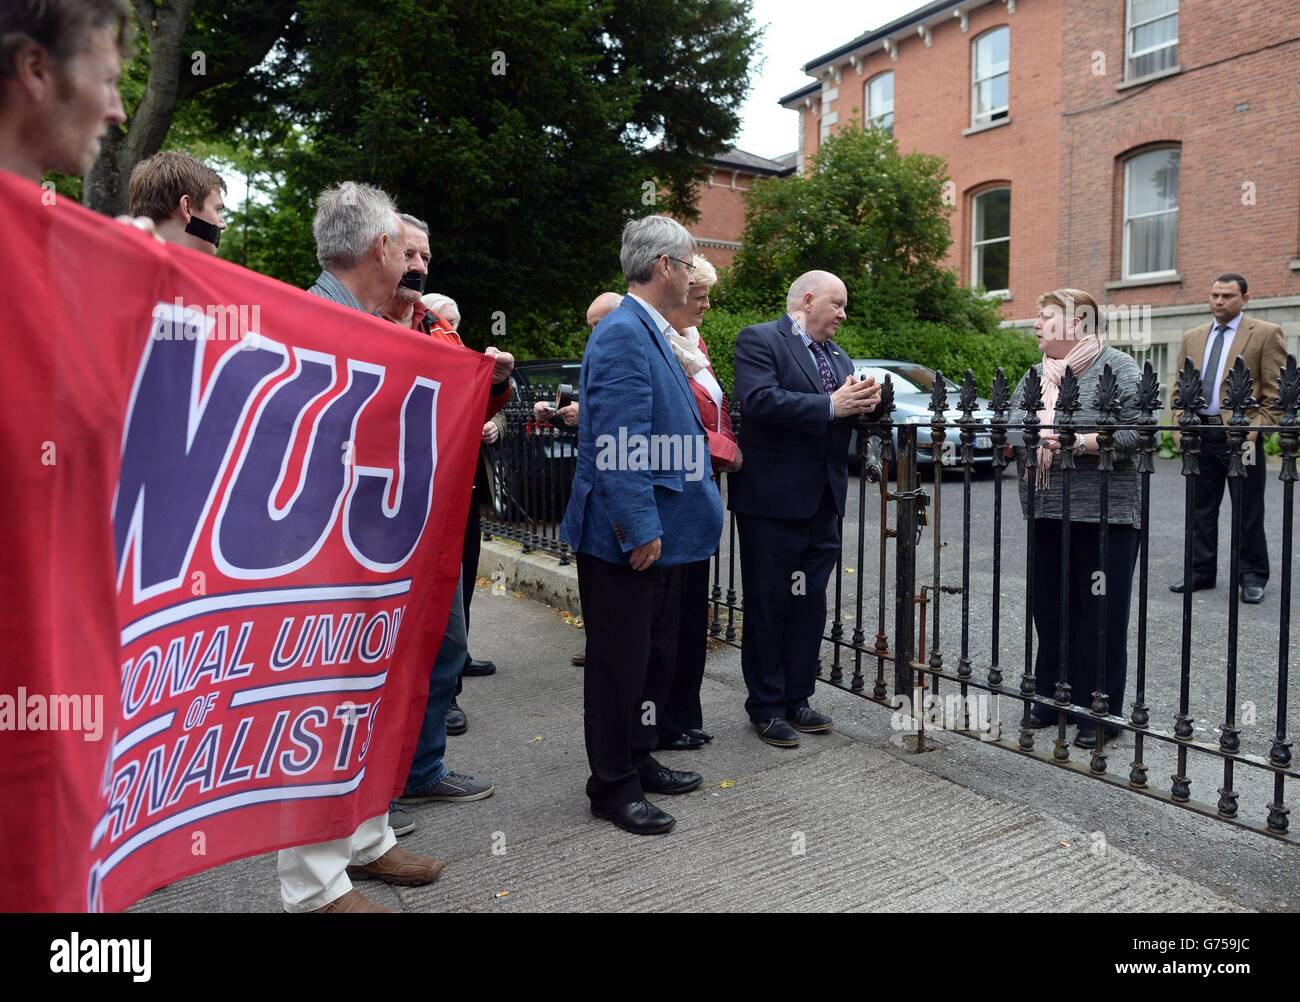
[{"x": 922, "y": 500}]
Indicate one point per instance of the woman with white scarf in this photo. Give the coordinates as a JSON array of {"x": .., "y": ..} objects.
[
  {"x": 680, "y": 724},
  {"x": 1069, "y": 332}
]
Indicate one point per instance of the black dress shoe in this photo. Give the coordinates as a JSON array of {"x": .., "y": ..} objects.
[
  {"x": 1177, "y": 586},
  {"x": 660, "y": 779},
  {"x": 777, "y": 732},
  {"x": 639, "y": 817},
  {"x": 809, "y": 721},
  {"x": 475, "y": 667},
  {"x": 1087, "y": 736},
  {"x": 457, "y": 722},
  {"x": 682, "y": 742},
  {"x": 1252, "y": 594},
  {"x": 697, "y": 732}
]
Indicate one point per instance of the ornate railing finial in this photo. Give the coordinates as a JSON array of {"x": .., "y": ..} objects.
[{"x": 1239, "y": 397}]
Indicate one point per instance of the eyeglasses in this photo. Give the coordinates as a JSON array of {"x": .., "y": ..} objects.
[{"x": 690, "y": 268}]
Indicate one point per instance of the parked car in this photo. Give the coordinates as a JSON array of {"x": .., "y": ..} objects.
[
  {"x": 540, "y": 376},
  {"x": 913, "y": 385},
  {"x": 536, "y": 459}
]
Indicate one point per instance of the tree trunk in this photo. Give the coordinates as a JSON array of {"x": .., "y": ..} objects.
[{"x": 165, "y": 25}]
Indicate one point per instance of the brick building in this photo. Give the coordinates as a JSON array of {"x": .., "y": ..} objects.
[
  {"x": 721, "y": 200},
  {"x": 1132, "y": 148}
]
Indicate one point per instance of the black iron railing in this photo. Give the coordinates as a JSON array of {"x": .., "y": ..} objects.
[
  {"x": 535, "y": 465},
  {"x": 882, "y": 447}
]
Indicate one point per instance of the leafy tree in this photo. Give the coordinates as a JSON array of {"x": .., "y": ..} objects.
[
  {"x": 871, "y": 215},
  {"x": 526, "y": 134},
  {"x": 186, "y": 49}
]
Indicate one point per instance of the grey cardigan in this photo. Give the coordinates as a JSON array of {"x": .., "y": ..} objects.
[{"x": 1085, "y": 479}]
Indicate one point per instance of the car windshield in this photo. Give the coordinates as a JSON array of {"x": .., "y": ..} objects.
[
  {"x": 559, "y": 372},
  {"x": 908, "y": 377}
]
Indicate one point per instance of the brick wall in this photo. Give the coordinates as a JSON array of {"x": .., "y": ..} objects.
[
  {"x": 932, "y": 109},
  {"x": 1234, "y": 111},
  {"x": 722, "y": 214},
  {"x": 1235, "y": 115}
]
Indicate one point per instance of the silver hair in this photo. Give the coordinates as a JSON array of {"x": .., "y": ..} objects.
[
  {"x": 419, "y": 224},
  {"x": 438, "y": 302},
  {"x": 705, "y": 273},
  {"x": 648, "y": 239},
  {"x": 350, "y": 217}
]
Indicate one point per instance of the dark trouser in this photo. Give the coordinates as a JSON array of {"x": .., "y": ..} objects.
[
  {"x": 427, "y": 767},
  {"x": 469, "y": 555},
  {"x": 683, "y": 709},
  {"x": 785, "y": 565},
  {"x": 630, "y": 620},
  {"x": 1215, "y": 459},
  {"x": 1086, "y": 609}
]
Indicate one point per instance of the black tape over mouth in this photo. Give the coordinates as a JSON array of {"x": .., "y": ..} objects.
[{"x": 204, "y": 230}]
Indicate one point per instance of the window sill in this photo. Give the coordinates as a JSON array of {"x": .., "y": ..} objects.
[
  {"x": 986, "y": 126},
  {"x": 1295, "y": 264},
  {"x": 1169, "y": 278},
  {"x": 1001, "y": 295},
  {"x": 1149, "y": 78}
]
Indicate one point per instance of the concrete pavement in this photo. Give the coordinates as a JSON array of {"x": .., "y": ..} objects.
[{"x": 849, "y": 821}]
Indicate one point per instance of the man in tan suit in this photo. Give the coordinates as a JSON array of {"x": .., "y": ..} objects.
[{"x": 1213, "y": 348}]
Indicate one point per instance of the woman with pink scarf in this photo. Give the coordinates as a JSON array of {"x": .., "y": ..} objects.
[{"x": 1069, "y": 331}]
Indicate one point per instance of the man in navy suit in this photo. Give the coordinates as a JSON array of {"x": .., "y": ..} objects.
[
  {"x": 798, "y": 404},
  {"x": 643, "y": 505}
]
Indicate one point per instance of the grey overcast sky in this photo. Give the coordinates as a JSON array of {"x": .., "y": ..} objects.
[{"x": 797, "y": 31}]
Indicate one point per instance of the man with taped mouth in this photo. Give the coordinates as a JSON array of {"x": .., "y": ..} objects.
[
  {"x": 430, "y": 781},
  {"x": 183, "y": 198},
  {"x": 358, "y": 244}
]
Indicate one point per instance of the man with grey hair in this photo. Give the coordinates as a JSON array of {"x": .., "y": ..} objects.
[
  {"x": 359, "y": 246},
  {"x": 356, "y": 230},
  {"x": 429, "y": 780},
  {"x": 798, "y": 404},
  {"x": 638, "y": 513}
]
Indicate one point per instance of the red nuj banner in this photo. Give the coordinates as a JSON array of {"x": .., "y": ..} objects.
[{"x": 233, "y": 516}]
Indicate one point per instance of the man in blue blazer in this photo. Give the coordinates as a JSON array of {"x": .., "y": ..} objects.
[
  {"x": 798, "y": 403},
  {"x": 643, "y": 505}
]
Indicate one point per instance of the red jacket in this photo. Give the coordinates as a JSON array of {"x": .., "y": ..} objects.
[
  {"x": 722, "y": 440},
  {"x": 439, "y": 328}
]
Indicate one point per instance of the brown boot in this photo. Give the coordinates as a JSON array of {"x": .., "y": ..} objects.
[
  {"x": 353, "y": 901},
  {"x": 399, "y": 866}
]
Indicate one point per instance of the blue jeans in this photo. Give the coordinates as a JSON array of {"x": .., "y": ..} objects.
[{"x": 427, "y": 769}]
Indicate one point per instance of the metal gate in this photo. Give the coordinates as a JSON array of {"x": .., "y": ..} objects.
[{"x": 904, "y": 613}]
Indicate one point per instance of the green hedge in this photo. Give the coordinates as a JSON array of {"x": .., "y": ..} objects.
[{"x": 949, "y": 351}]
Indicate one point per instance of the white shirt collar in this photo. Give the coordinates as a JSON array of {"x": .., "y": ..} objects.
[
  {"x": 797, "y": 325},
  {"x": 1232, "y": 324},
  {"x": 655, "y": 316}
]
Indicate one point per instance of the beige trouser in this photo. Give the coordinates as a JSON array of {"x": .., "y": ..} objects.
[{"x": 311, "y": 876}]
